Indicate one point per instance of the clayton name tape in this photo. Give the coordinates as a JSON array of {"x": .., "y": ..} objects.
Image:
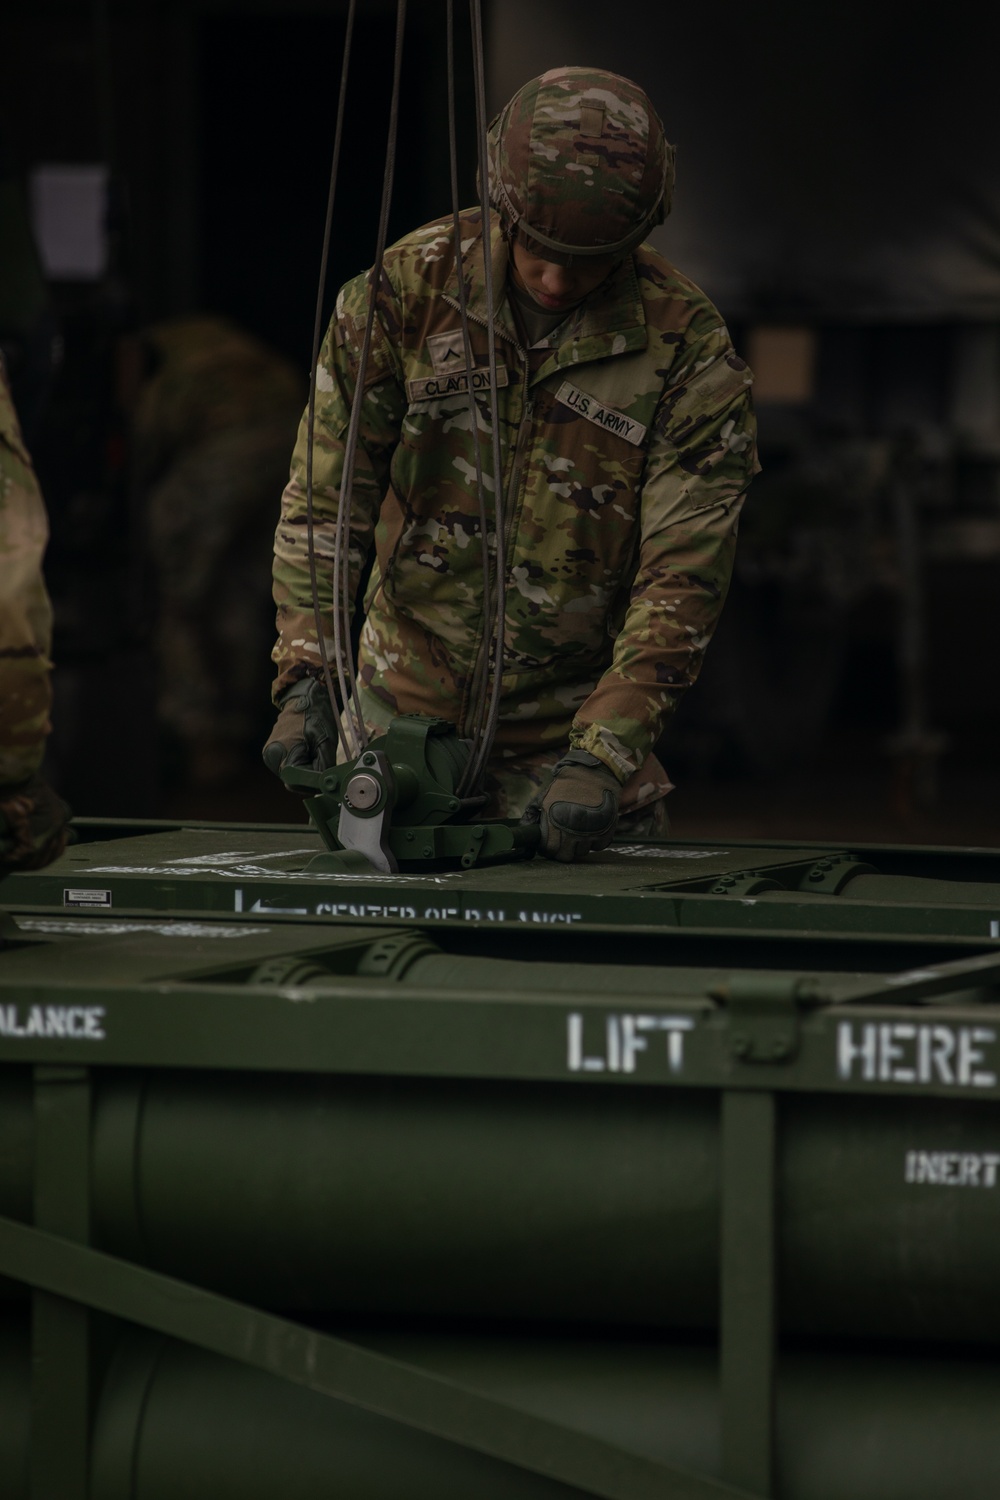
[{"x": 433, "y": 387}]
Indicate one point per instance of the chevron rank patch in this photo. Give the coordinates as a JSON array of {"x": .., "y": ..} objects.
[{"x": 447, "y": 352}]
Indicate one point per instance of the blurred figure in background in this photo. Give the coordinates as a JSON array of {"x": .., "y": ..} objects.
[
  {"x": 215, "y": 414},
  {"x": 27, "y": 319},
  {"x": 33, "y": 820}
]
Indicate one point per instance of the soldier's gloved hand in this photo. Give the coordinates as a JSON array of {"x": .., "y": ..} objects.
[
  {"x": 578, "y": 810},
  {"x": 34, "y": 825},
  {"x": 305, "y": 733}
]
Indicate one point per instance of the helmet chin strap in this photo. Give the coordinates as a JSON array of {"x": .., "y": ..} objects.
[{"x": 529, "y": 236}]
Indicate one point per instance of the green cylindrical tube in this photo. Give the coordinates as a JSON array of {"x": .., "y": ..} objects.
[
  {"x": 17, "y": 1155},
  {"x": 413, "y": 1196},
  {"x": 875, "y": 887},
  {"x": 413, "y": 959},
  {"x": 15, "y": 1365},
  {"x": 486, "y": 1199},
  {"x": 172, "y": 1421},
  {"x": 870, "y": 886},
  {"x": 357, "y": 1196}
]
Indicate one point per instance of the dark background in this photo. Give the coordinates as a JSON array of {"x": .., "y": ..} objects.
[{"x": 838, "y": 196}]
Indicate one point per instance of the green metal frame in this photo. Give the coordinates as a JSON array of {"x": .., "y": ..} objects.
[
  {"x": 728, "y": 1041},
  {"x": 68, "y": 1279},
  {"x": 748, "y": 1312},
  {"x": 733, "y": 1045},
  {"x": 773, "y": 890},
  {"x": 60, "y": 1326},
  {"x": 76, "y": 1278}
]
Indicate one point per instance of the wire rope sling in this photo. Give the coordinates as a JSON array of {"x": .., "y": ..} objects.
[{"x": 411, "y": 796}]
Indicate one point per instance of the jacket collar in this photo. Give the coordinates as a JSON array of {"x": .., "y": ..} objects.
[{"x": 611, "y": 321}]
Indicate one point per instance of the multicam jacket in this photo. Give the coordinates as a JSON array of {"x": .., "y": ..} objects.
[
  {"x": 627, "y": 443},
  {"x": 25, "y": 612}
]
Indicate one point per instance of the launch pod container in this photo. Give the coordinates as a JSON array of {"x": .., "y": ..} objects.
[
  {"x": 780, "y": 889},
  {"x": 515, "y": 1182}
]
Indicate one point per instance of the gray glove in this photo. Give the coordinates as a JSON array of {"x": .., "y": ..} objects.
[
  {"x": 578, "y": 810},
  {"x": 305, "y": 733}
]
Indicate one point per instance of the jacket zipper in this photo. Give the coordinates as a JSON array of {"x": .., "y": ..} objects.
[
  {"x": 517, "y": 468},
  {"x": 510, "y": 495},
  {"x": 483, "y": 322},
  {"x": 485, "y": 642},
  {"x": 501, "y": 333}
]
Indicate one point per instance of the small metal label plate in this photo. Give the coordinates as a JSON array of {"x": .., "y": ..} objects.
[{"x": 76, "y": 896}]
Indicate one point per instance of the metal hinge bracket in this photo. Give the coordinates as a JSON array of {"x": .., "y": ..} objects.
[{"x": 763, "y": 1014}]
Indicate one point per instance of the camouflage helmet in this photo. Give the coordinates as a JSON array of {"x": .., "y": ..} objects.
[{"x": 579, "y": 164}]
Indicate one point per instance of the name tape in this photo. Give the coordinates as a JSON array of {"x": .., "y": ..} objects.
[
  {"x": 602, "y": 416},
  {"x": 433, "y": 387}
]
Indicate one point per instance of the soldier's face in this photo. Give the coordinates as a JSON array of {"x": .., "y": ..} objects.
[{"x": 556, "y": 287}]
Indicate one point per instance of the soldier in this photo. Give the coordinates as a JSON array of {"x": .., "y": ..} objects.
[
  {"x": 627, "y": 438},
  {"x": 212, "y": 423},
  {"x": 32, "y": 818}
]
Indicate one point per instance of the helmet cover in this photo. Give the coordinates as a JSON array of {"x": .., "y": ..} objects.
[{"x": 579, "y": 165}]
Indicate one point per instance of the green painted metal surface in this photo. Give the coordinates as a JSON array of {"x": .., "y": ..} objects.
[
  {"x": 418, "y": 1397},
  {"x": 545, "y": 1124},
  {"x": 872, "y": 1427},
  {"x": 484, "y": 1167},
  {"x": 487, "y": 1202},
  {"x": 768, "y": 889}
]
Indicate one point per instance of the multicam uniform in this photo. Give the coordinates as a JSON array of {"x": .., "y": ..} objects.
[
  {"x": 211, "y": 433},
  {"x": 627, "y": 439},
  {"x": 32, "y": 818}
]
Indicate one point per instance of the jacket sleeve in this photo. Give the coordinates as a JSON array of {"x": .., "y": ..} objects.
[
  {"x": 701, "y": 458},
  {"x": 296, "y": 652},
  {"x": 25, "y": 611}
]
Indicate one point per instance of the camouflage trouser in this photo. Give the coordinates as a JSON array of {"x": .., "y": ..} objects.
[{"x": 512, "y": 781}]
